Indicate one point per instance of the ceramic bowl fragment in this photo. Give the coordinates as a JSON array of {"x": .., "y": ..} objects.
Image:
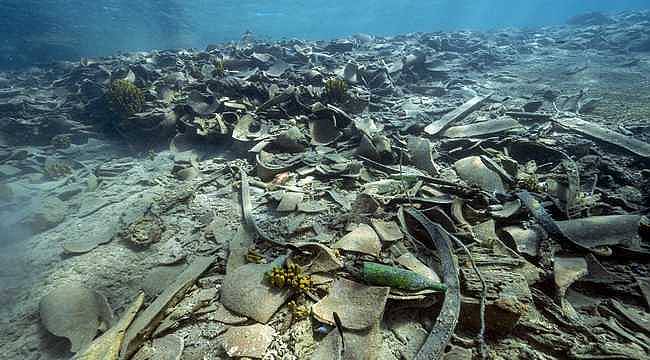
[
  {"x": 474, "y": 172},
  {"x": 248, "y": 341},
  {"x": 323, "y": 131},
  {"x": 168, "y": 347},
  {"x": 359, "y": 306},
  {"x": 100, "y": 236},
  {"x": 245, "y": 291},
  {"x": 388, "y": 231},
  {"x": 322, "y": 259},
  {"x": 76, "y": 313},
  {"x": 363, "y": 240},
  {"x": 225, "y": 316}
]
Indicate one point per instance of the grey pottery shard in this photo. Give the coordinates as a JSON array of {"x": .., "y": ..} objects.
[
  {"x": 99, "y": 236},
  {"x": 359, "y": 306},
  {"x": 456, "y": 115},
  {"x": 75, "y": 313},
  {"x": 421, "y": 153},
  {"x": 169, "y": 347},
  {"x": 482, "y": 128},
  {"x": 245, "y": 292},
  {"x": 474, "y": 172},
  {"x": 600, "y": 133},
  {"x": 604, "y": 230},
  {"x": 363, "y": 240},
  {"x": 248, "y": 341}
]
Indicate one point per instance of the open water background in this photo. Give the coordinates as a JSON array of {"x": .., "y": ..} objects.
[{"x": 39, "y": 31}]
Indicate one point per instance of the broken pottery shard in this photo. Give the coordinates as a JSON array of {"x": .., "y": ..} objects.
[
  {"x": 388, "y": 231},
  {"x": 524, "y": 240},
  {"x": 248, "y": 341},
  {"x": 241, "y": 131},
  {"x": 409, "y": 261},
  {"x": 566, "y": 271},
  {"x": 603, "y": 134},
  {"x": 159, "y": 278},
  {"x": 598, "y": 274},
  {"x": 223, "y": 315},
  {"x": 363, "y": 240},
  {"x": 290, "y": 201},
  {"x": 407, "y": 328},
  {"x": 100, "y": 236},
  {"x": 75, "y": 313},
  {"x": 421, "y": 153},
  {"x": 340, "y": 199},
  {"x": 359, "y": 345},
  {"x": 238, "y": 248},
  {"x": 169, "y": 347},
  {"x": 359, "y": 306},
  {"x": 482, "y": 128},
  {"x": 245, "y": 291},
  {"x": 644, "y": 284},
  {"x": 640, "y": 320},
  {"x": 107, "y": 346},
  {"x": 456, "y": 115},
  {"x": 606, "y": 230},
  {"x": 324, "y": 259},
  {"x": 323, "y": 131},
  {"x": 149, "y": 319},
  {"x": 473, "y": 171},
  {"x": 509, "y": 209}
]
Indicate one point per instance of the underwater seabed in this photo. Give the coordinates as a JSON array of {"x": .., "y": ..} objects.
[{"x": 458, "y": 195}]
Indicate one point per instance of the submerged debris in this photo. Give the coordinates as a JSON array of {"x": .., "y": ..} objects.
[{"x": 421, "y": 196}]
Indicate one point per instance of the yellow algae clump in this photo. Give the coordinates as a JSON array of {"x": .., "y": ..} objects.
[
  {"x": 290, "y": 276},
  {"x": 336, "y": 90},
  {"x": 125, "y": 98}
]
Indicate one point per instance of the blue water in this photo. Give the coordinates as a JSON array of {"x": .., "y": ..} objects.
[{"x": 44, "y": 30}]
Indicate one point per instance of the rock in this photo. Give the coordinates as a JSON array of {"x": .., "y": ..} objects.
[{"x": 508, "y": 295}]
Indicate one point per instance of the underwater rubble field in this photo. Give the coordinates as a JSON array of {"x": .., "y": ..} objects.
[{"x": 451, "y": 195}]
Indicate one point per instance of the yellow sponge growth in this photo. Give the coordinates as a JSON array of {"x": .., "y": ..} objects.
[
  {"x": 125, "y": 98},
  {"x": 336, "y": 90},
  {"x": 291, "y": 277}
]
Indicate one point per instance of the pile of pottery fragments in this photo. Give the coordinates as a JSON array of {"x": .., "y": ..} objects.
[{"x": 377, "y": 178}]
